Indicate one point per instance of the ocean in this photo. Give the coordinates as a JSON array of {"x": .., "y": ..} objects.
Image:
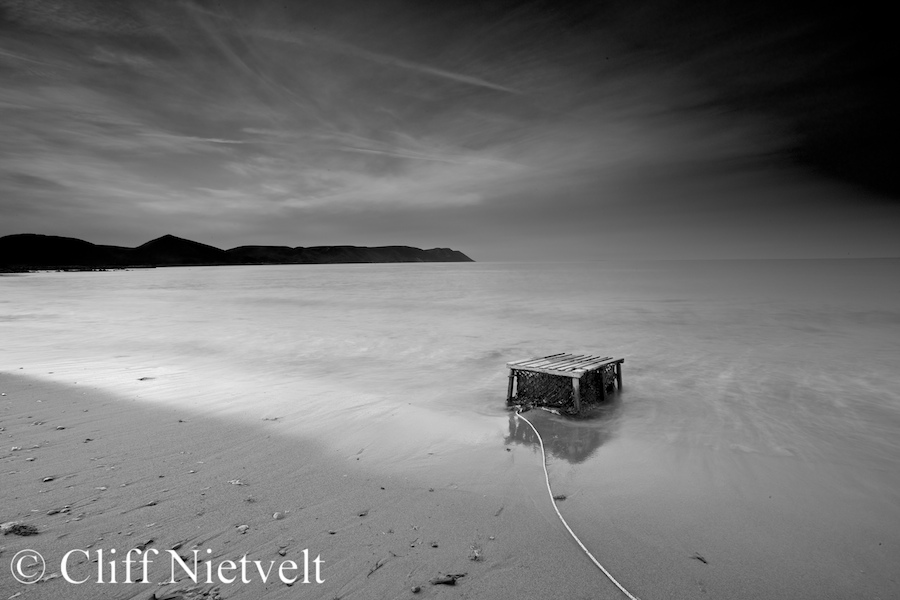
[{"x": 758, "y": 427}]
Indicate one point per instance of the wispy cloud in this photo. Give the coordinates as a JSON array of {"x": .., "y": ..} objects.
[
  {"x": 27, "y": 59},
  {"x": 191, "y": 138},
  {"x": 397, "y": 154},
  {"x": 383, "y": 59},
  {"x": 98, "y": 17},
  {"x": 309, "y": 38}
]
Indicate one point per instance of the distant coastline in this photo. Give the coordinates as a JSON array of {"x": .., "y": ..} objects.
[{"x": 30, "y": 251}]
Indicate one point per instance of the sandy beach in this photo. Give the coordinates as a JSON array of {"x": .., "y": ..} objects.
[{"x": 95, "y": 473}]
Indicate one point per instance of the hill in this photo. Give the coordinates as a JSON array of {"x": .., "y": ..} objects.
[
  {"x": 171, "y": 250},
  {"x": 343, "y": 254},
  {"x": 35, "y": 251}
]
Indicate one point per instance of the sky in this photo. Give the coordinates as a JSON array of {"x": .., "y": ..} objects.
[{"x": 507, "y": 130}]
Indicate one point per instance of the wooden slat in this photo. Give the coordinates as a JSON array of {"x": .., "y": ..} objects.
[
  {"x": 543, "y": 362},
  {"x": 592, "y": 361},
  {"x": 534, "y": 362},
  {"x": 554, "y": 372},
  {"x": 572, "y": 359},
  {"x": 587, "y": 365},
  {"x": 561, "y": 364},
  {"x": 530, "y": 365},
  {"x": 538, "y": 358},
  {"x": 529, "y": 361},
  {"x": 609, "y": 361},
  {"x": 584, "y": 360}
]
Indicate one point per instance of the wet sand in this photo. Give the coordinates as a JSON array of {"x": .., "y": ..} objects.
[{"x": 95, "y": 472}]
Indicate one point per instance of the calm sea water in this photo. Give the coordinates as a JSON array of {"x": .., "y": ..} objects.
[{"x": 759, "y": 425}]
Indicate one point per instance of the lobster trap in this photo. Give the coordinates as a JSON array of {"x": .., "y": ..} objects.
[{"x": 563, "y": 381}]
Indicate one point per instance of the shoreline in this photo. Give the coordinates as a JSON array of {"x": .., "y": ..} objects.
[{"x": 124, "y": 475}]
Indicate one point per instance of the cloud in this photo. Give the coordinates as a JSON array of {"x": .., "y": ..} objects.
[
  {"x": 334, "y": 45},
  {"x": 424, "y": 185},
  {"x": 108, "y": 56},
  {"x": 403, "y": 146},
  {"x": 12, "y": 180},
  {"x": 364, "y": 116},
  {"x": 27, "y": 59},
  {"x": 191, "y": 139},
  {"x": 74, "y": 15}
]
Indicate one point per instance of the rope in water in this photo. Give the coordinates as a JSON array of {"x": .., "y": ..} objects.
[{"x": 559, "y": 514}]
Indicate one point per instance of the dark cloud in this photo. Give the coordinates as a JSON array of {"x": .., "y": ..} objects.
[{"x": 819, "y": 71}]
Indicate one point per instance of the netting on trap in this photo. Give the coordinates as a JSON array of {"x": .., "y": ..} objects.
[
  {"x": 591, "y": 382},
  {"x": 557, "y": 391}
]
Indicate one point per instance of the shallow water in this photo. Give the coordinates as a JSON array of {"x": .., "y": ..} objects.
[{"x": 758, "y": 426}]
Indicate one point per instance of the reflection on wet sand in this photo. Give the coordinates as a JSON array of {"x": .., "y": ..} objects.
[{"x": 565, "y": 438}]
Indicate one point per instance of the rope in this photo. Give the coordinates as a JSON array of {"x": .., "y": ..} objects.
[{"x": 559, "y": 514}]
